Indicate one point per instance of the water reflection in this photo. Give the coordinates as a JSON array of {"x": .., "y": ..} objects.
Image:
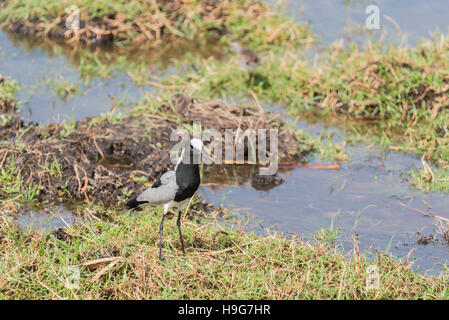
[
  {"x": 43, "y": 67},
  {"x": 365, "y": 198}
]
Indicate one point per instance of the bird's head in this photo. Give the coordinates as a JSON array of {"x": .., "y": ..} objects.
[{"x": 197, "y": 145}]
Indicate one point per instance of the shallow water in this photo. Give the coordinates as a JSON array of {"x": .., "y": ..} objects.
[
  {"x": 363, "y": 199},
  {"x": 46, "y": 220},
  {"x": 37, "y": 65},
  {"x": 34, "y": 63},
  {"x": 33, "y": 66},
  {"x": 369, "y": 199},
  {"x": 332, "y": 19}
]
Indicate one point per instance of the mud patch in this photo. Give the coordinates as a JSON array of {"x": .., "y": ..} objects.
[
  {"x": 219, "y": 115},
  {"x": 93, "y": 160},
  {"x": 424, "y": 240},
  {"x": 110, "y": 160},
  {"x": 62, "y": 235},
  {"x": 10, "y": 121}
]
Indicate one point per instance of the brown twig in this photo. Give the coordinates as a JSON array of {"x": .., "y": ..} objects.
[
  {"x": 86, "y": 181},
  {"x": 141, "y": 172},
  {"x": 75, "y": 168},
  {"x": 163, "y": 86},
  {"x": 334, "y": 166},
  {"x": 408, "y": 256},
  {"x": 96, "y": 145},
  {"x": 428, "y": 214}
]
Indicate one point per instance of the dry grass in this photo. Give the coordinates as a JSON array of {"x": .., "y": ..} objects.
[
  {"x": 148, "y": 23},
  {"x": 118, "y": 259}
]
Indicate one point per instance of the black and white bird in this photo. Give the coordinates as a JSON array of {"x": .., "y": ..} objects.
[{"x": 175, "y": 188}]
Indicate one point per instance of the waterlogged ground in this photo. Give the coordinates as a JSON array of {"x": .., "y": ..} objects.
[
  {"x": 46, "y": 220},
  {"x": 368, "y": 199},
  {"x": 332, "y": 20},
  {"x": 39, "y": 66}
]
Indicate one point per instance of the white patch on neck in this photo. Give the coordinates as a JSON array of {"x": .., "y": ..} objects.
[{"x": 180, "y": 158}]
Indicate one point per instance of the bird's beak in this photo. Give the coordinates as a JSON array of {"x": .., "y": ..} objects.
[{"x": 207, "y": 156}]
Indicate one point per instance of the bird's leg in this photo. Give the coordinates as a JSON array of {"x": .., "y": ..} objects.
[
  {"x": 161, "y": 228},
  {"x": 178, "y": 223}
]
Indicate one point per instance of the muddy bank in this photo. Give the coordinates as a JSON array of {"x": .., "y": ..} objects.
[
  {"x": 216, "y": 114},
  {"x": 91, "y": 162},
  {"x": 109, "y": 159},
  {"x": 10, "y": 121},
  {"x": 147, "y": 23}
]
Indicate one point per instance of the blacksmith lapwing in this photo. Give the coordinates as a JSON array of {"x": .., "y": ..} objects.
[{"x": 175, "y": 188}]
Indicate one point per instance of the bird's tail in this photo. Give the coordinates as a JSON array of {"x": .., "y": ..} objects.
[{"x": 133, "y": 203}]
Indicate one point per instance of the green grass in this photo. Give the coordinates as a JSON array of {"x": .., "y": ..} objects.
[
  {"x": 147, "y": 21},
  {"x": 395, "y": 97},
  {"x": 62, "y": 87},
  {"x": 47, "y": 9},
  {"x": 428, "y": 179},
  {"x": 68, "y": 128},
  {"x": 13, "y": 188},
  {"x": 221, "y": 263},
  {"x": 8, "y": 89}
]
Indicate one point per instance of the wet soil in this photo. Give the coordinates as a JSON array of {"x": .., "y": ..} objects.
[
  {"x": 89, "y": 157},
  {"x": 106, "y": 160},
  {"x": 218, "y": 115}
]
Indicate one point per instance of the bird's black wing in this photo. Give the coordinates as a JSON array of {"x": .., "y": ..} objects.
[{"x": 157, "y": 183}]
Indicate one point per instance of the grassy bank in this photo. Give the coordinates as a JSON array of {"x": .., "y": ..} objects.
[
  {"x": 110, "y": 157},
  {"x": 117, "y": 257},
  {"x": 150, "y": 23},
  {"x": 403, "y": 92}
]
